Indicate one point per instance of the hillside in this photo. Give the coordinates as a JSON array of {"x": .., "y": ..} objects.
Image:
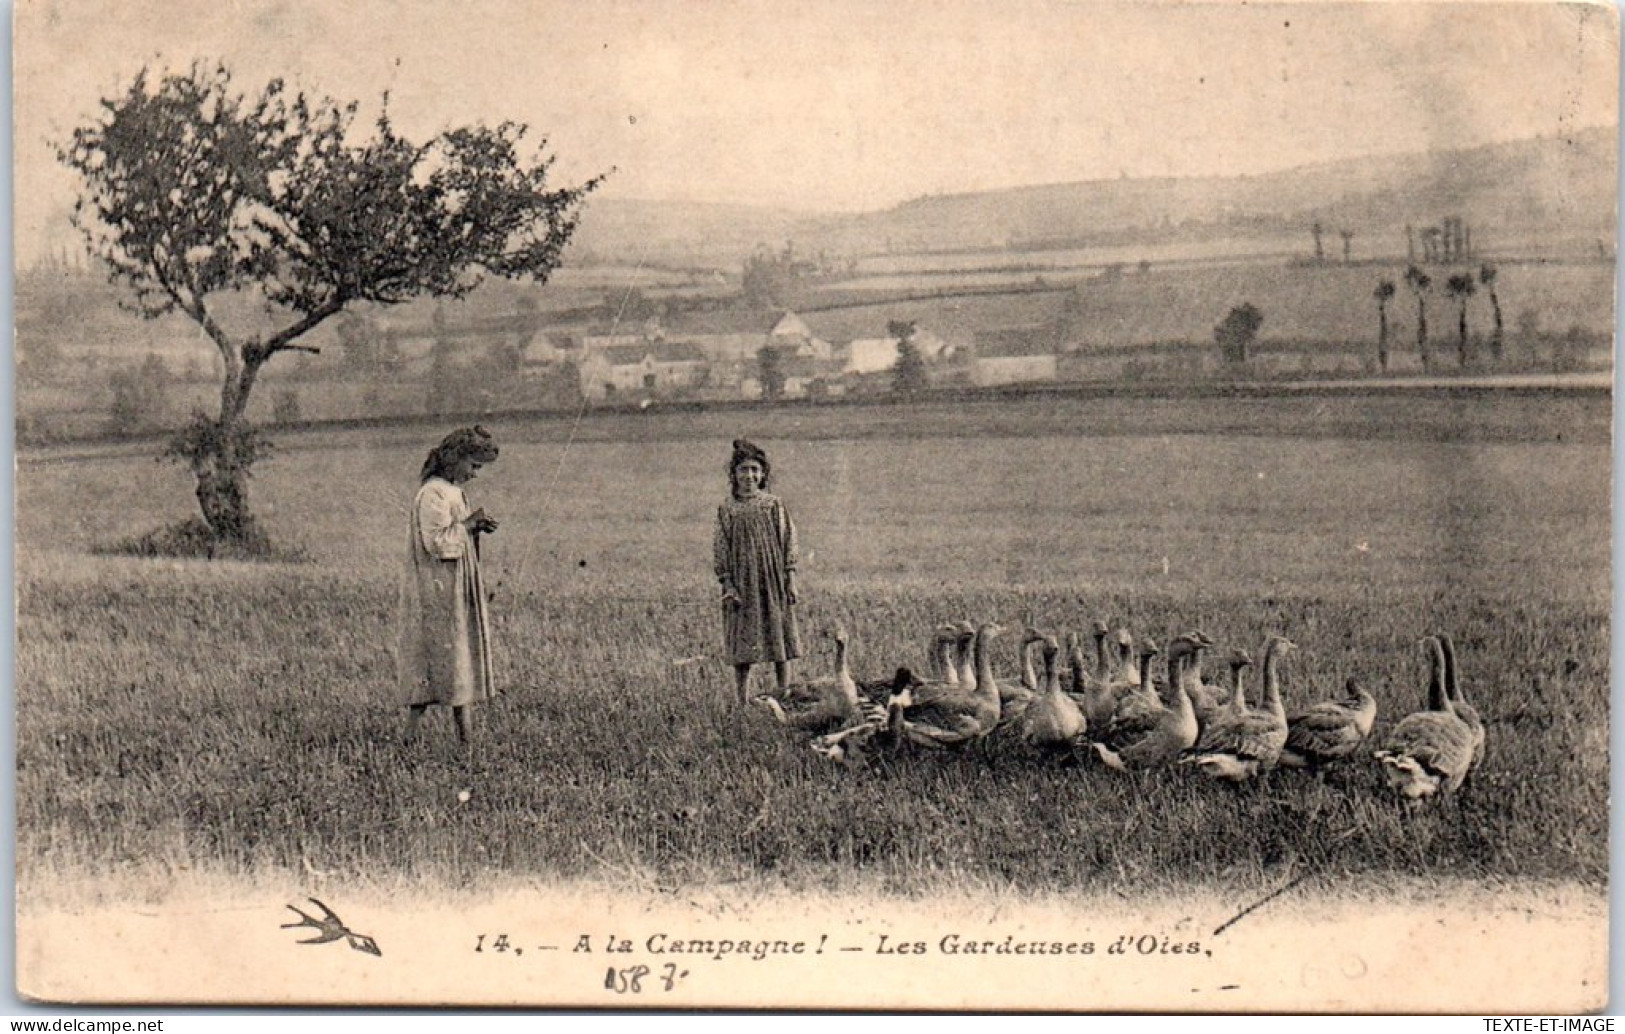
[{"x": 1548, "y": 194}]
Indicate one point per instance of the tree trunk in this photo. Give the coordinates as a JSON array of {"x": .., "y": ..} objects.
[
  {"x": 1422, "y": 334},
  {"x": 222, "y": 495},
  {"x": 1495, "y": 341},
  {"x": 1461, "y": 346},
  {"x": 220, "y": 462},
  {"x": 1382, "y": 338}
]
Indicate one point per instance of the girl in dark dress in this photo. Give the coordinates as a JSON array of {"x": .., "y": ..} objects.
[{"x": 755, "y": 556}]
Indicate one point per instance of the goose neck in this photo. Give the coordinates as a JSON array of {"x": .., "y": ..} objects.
[{"x": 1438, "y": 699}]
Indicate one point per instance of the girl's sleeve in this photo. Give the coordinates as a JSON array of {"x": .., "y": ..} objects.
[
  {"x": 720, "y": 552},
  {"x": 440, "y": 517},
  {"x": 787, "y": 535}
]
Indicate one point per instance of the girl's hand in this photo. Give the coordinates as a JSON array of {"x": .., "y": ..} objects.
[
  {"x": 730, "y": 599},
  {"x": 790, "y": 589}
]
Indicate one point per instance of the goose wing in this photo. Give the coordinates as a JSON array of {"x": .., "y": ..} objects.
[
  {"x": 1054, "y": 720},
  {"x": 1325, "y": 732},
  {"x": 1433, "y": 745}
]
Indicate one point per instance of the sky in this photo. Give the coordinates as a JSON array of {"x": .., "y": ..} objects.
[{"x": 852, "y": 105}]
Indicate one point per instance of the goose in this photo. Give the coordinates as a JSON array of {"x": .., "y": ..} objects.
[
  {"x": 1093, "y": 695},
  {"x": 966, "y": 655},
  {"x": 1053, "y": 720},
  {"x": 1138, "y": 702},
  {"x": 1018, "y": 692},
  {"x": 1131, "y": 677},
  {"x": 940, "y": 654},
  {"x": 1084, "y": 681},
  {"x": 1128, "y": 660},
  {"x": 1458, "y": 700},
  {"x": 1238, "y": 661},
  {"x": 943, "y": 641},
  {"x": 1330, "y": 730},
  {"x": 837, "y": 701},
  {"x": 1154, "y": 737},
  {"x": 1428, "y": 752},
  {"x": 1206, "y": 697},
  {"x": 852, "y": 743},
  {"x": 1240, "y": 742},
  {"x": 941, "y": 717}
]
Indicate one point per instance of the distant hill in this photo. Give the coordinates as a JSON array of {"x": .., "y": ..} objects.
[{"x": 1521, "y": 195}]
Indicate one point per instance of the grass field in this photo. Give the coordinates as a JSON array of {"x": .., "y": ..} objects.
[{"x": 176, "y": 717}]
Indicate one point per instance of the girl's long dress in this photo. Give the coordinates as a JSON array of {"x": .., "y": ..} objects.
[
  {"x": 445, "y": 639},
  {"x": 755, "y": 549}
]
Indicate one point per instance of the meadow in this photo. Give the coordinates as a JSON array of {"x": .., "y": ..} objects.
[{"x": 177, "y": 717}]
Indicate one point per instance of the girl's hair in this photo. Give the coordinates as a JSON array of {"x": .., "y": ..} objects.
[
  {"x": 474, "y": 442},
  {"x": 746, "y": 450}
]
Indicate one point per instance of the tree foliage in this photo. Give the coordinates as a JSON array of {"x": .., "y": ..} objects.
[
  {"x": 1420, "y": 283},
  {"x": 770, "y": 371},
  {"x": 1384, "y": 293},
  {"x": 193, "y": 191},
  {"x": 1236, "y": 333},
  {"x": 908, "y": 373},
  {"x": 1461, "y": 287}
]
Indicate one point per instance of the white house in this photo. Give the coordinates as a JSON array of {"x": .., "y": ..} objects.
[
  {"x": 877, "y": 354},
  {"x": 792, "y": 331},
  {"x": 1014, "y": 357},
  {"x": 642, "y": 369}
]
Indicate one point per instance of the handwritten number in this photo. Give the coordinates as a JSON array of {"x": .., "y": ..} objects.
[
  {"x": 479, "y": 945},
  {"x": 625, "y": 981}
]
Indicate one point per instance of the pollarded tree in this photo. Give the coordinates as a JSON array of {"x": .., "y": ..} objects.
[
  {"x": 194, "y": 192},
  {"x": 1460, "y": 287},
  {"x": 1383, "y": 294},
  {"x": 1486, "y": 276},
  {"x": 1419, "y": 283}
]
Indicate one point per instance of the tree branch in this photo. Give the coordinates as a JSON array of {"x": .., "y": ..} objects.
[{"x": 281, "y": 341}]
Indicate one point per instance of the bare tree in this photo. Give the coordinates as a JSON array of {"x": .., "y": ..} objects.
[
  {"x": 1460, "y": 287},
  {"x": 1419, "y": 283},
  {"x": 1486, "y": 276},
  {"x": 1383, "y": 294}
]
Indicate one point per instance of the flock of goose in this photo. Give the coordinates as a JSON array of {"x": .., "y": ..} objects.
[{"x": 1116, "y": 710}]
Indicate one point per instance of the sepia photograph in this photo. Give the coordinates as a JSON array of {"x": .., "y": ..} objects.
[{"x": 1064, "y": 506}]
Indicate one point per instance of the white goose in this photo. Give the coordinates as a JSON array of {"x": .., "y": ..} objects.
[
  {"x": 1053, "y": 720},
  {"x": 943, "y": 717},
  {"x": 1017, "y": 693},
  {"x": 1128, "y": 658},
  {"x": 1240, "y": 742},
  {"x": 1093, "y": 694},
  {"x": 1330, "y": 730},
  {"x": 1458, "y": 700},
  {"x": 1148, "y": 738},
  {"x": 1207, "y": 698},
  {"x": 837, "y": 701},
  {"x": 1428, "y": 752}
]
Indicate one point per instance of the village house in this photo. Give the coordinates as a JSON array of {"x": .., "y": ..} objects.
[
  {"x": 792, "y": 332},
  {"x": 643, "y": 369},
  {"x": 1014, "y": 356},
  {"x": 878, "y": 354}
]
